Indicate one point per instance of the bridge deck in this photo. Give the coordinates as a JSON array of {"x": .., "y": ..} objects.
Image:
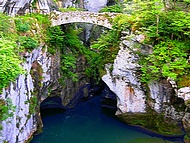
[{"x": 102, "y": 19}]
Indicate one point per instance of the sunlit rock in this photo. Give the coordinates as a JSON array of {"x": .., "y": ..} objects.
[
  {"x": 13, "y": 7},
  {"x": 184, "y": 93},
  {"x": 124, "y": 82},
  {"x": 23, "y": 124}
]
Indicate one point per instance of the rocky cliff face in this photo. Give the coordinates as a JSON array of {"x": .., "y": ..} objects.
[
  {"x": 40, "y": 81},
  {"x": 13, "y": 7},
  {"x": 134, "y": 97},
  {"x": 24, "y": 94},
  {"x": 124, "y": 82}
]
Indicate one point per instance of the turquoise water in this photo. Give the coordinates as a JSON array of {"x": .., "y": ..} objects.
[{"x": 88, "y": 123}]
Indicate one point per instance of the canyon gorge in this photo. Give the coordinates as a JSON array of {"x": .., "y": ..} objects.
[{"x": 158, "y": 101}]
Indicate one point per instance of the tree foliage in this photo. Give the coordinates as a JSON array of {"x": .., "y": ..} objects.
[
  {"x": 165, "y": 26},
  {"x": 16, "y": 34},
  {"x": 117, "y": 8},
  {"x": 106, "y": 49},
  {"x": 70, "y": 47},
  {"x": 9, "y": 63},
  {"x": 167, "y": 29},
  {"x": 6, "y": 27}
]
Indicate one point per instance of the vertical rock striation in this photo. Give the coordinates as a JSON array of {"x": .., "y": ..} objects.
[
  {"x": 13, "y": 7},
  {"x": 24, "y": 123}
]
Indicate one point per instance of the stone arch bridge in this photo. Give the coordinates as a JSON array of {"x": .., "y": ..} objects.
[{"x": 102, "y": 19}]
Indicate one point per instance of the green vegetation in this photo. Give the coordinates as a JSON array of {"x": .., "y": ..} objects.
[
  {"x": 28, "y": 42},
  {"x": 6, "y": 109},
  {"x": 168, "y": 31},
  {"x": 6, "y": 27},
  {"x": 165, "y": 27},
  {"x": 117, "y": 8},
  {"x": 70, "y": 9},
  {"x": 171, "y": 47},
  {"x": 24, "y": 33},
  {"x": 55, "y": 39},
  {"x": 186, "y": 138},
  {"x": 105, "y": 51},
  {"x": 33, "y": 102},
  {"x": 16, "y": 35},
  {"x": 22, "y": 27},
  {"x": 9, "y": 63},
  {"x": 68, "y": 44}
]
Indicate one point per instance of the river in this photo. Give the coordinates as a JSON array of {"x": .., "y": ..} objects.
[{"x": 87, "y": 122}]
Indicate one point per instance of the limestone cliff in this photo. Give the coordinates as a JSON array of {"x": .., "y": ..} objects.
[
  {"x": 124, "y": 81},
  {"x": 40, "y": 81},
  {"x": 13, "y": 7},
  {"x": 24, "y": 94},
  {"x": 135, "y": 98}
]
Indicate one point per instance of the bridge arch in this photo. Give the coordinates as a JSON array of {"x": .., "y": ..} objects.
[{"x": 102, "y": 19}]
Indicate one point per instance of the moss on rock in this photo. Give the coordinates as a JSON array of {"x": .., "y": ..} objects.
[
  {"x": 152, "y": 121},
  {"x": 186, "y": 139}
]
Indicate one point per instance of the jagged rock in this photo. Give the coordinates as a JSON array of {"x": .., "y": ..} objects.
[
  {"x": 25, "y": 122},
  {"x": 184, "y": 93},
  {"x": 170, "y": 112},
  {"x": 161, "y": 93},
  {"x": 135, "y": 100},
  {"x": 13, "y": 7},
  {"x": 124, "y": 81},
  {"x": 186, "y": 121}
]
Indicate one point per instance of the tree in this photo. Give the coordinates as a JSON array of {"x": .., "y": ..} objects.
[{"x": 168, "y": 31}]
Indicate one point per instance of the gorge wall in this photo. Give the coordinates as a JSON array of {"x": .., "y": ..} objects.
[
  {"x": 137, "y": 99},
  {"x": 41, "y": 81},
  {"x": 25, "y": 90}
]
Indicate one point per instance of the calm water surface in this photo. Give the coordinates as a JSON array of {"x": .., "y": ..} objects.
[{"x": 88, "y": 123}]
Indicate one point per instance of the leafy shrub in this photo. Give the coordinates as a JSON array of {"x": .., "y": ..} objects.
[
  {"x": 21, "y": 27},
  {"x": 106, "y": 47},
  {"x": 28, "y": 42},
  {"x": 55, "y": 38},
  {"x": 6, "y": 27},
  {"x": 68, "y": 44},
  {"x": 68, "y": 63},
  {"x": 168, "y": 31},
  {"x": 33, "y": 102},
  {"x": 9, "y": 63},
  {"x": 43, "y": 20},
  {"x": 117, "y": 8},
  {"x": 169, "y": 59}
]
